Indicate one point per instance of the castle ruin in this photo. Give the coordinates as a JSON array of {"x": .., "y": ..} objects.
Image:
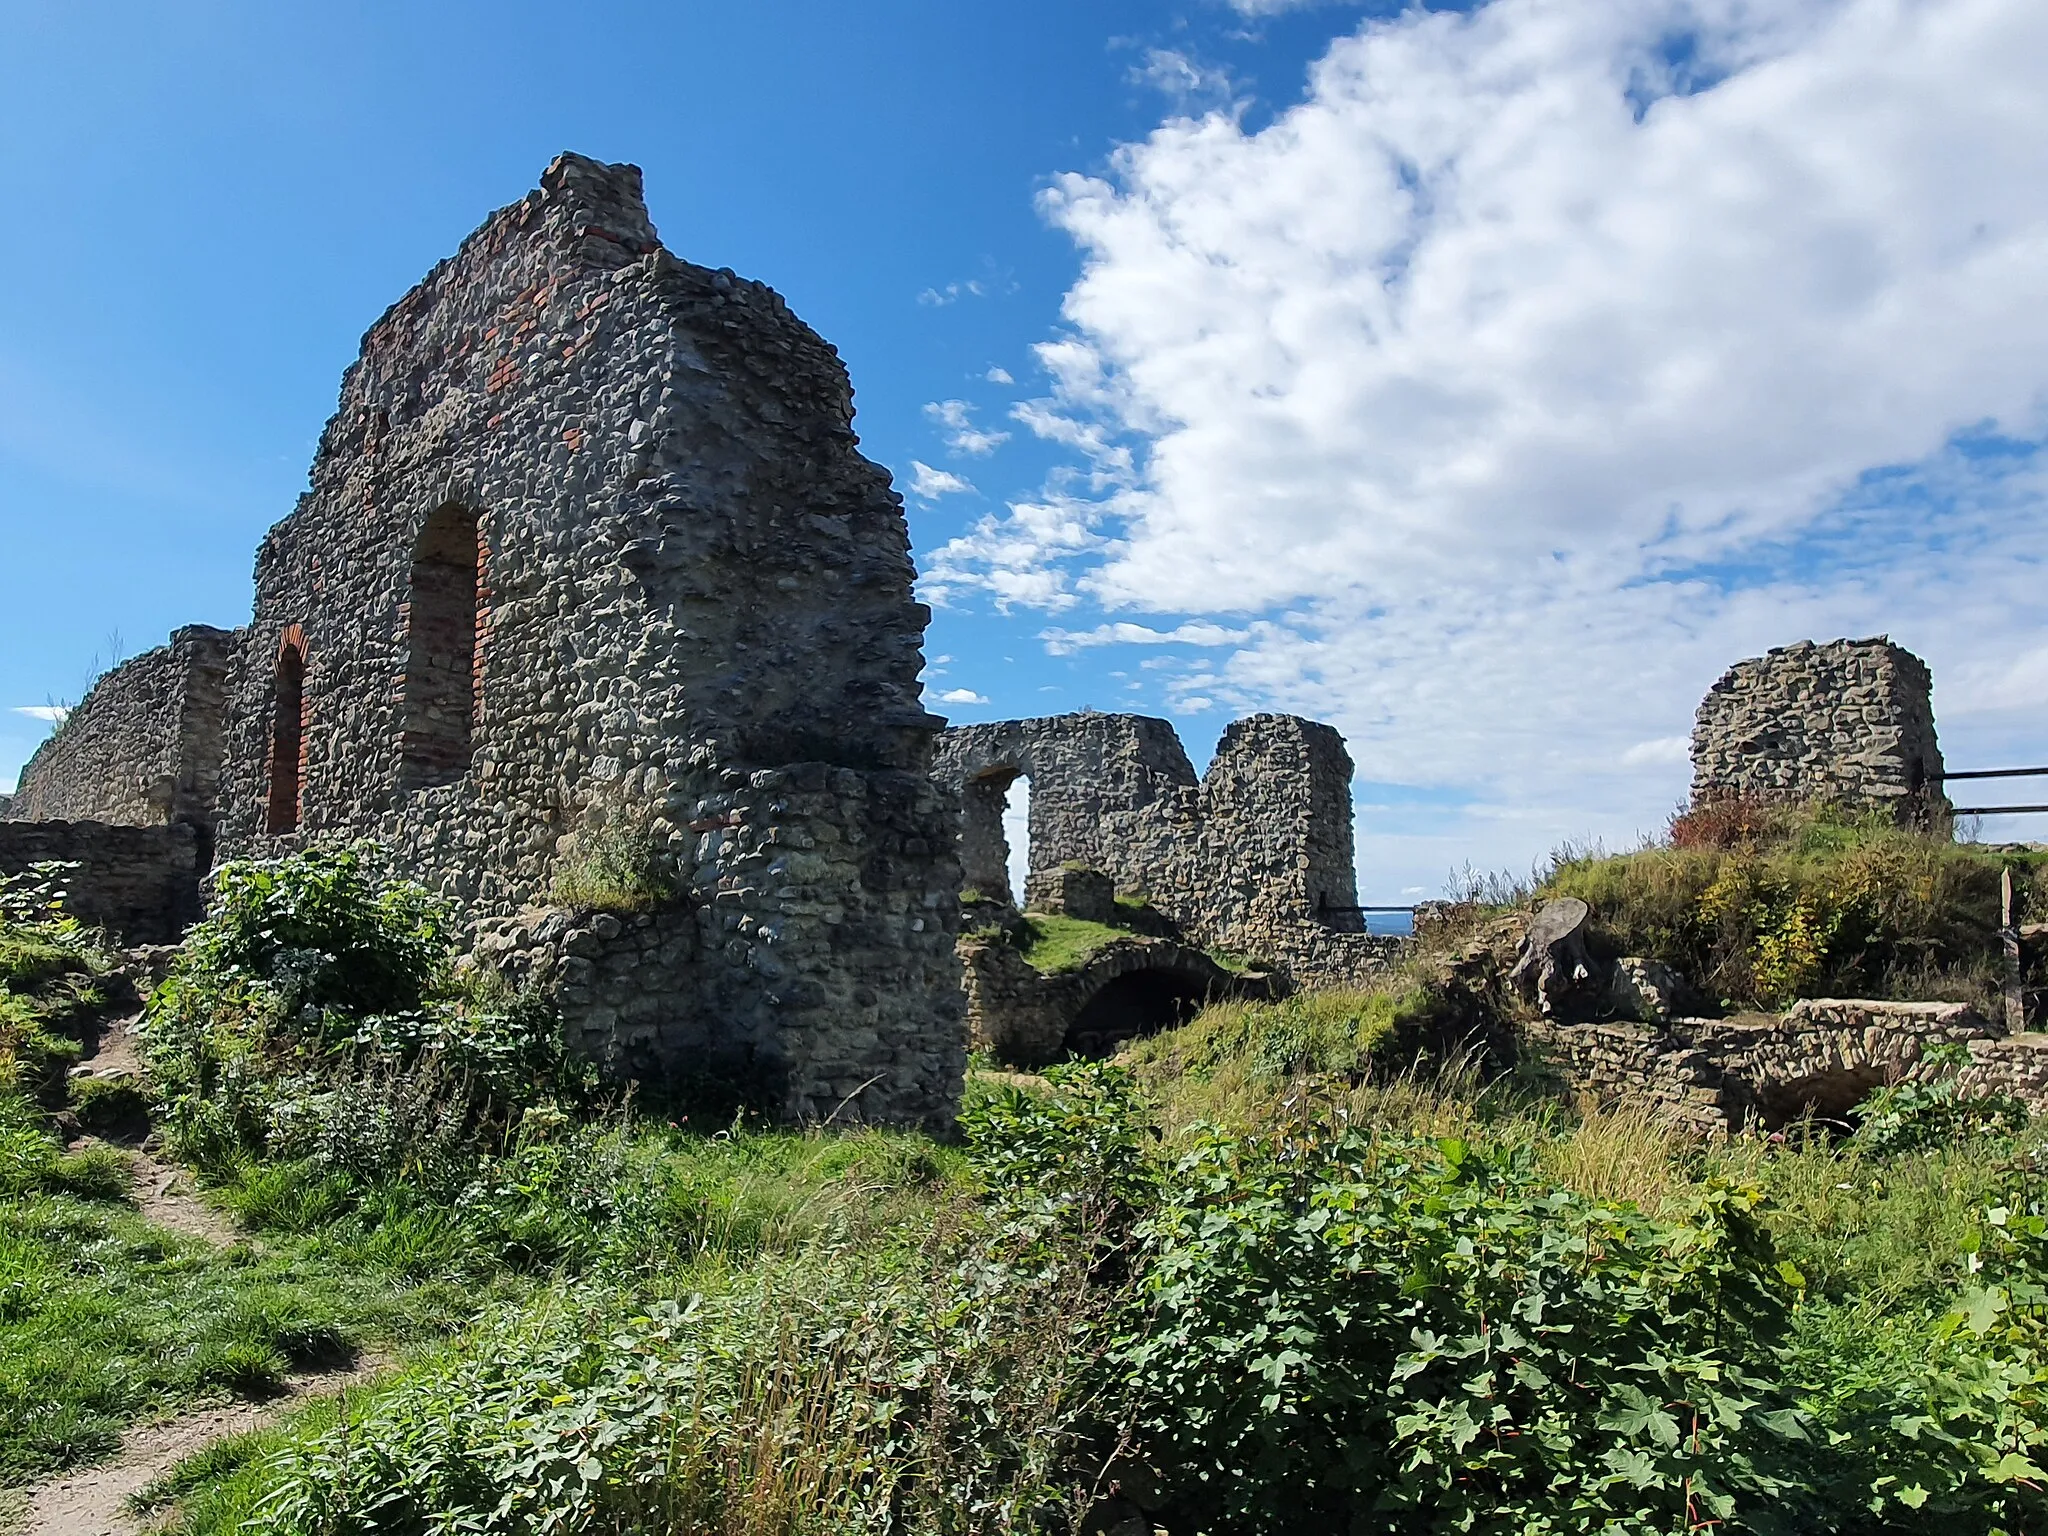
[
  {"x": 1850, "y": 722},
  {"x": 589, "y": 549},
  {"x": 1253, "y": 858}
]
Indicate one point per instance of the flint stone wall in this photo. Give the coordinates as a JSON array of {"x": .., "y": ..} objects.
[
  {"x": 1243, "y": 858},
  {"x": 141, "y": 884},
  {"x": 143, "y": 747},
  {"x": 1850, "y": 721},
  {"x": 1714, "y": 1076},
  {"x": 806, "y": 951},
  {"x": 590, "y": 547}
]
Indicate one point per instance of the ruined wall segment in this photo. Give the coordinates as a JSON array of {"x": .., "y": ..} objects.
[
  {"x": 143, "y": 747},
  {"x": 1851, "y": 721},
  {"x": 1250, "y": 857},
  {"x": 139, "y": 883},
  {"x": 589, "y": 544}
]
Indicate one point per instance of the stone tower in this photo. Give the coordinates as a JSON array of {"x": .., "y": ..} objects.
[{"x": 1851, "y": 722}]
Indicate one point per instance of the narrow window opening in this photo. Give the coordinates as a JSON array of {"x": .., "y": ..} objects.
[
  {"x": 441, "y": 652},
  {"x": 1017, "y": 835},
  {"x": 287, "y": 738}
]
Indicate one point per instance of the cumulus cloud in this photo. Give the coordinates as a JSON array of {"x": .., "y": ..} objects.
[
  {"x": 999, "y": 375},
  {"x": 928, "y": 484},
  {"x": 52, "y": 713},
  {"x": 1545, "y": 359},
  {"x": 955, "y": 418},
  {"x": 962, "y": 696}
]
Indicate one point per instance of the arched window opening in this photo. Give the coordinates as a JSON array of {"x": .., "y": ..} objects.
[
  {"x": 1135, "y": 1004},
  {"x": 442, "y": 675},
  {"x": 287, "y": 737},
  {"x": 985, "y": 861}
]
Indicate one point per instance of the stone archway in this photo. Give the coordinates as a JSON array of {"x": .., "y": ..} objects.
[{"x": 1133, "y": 1005}]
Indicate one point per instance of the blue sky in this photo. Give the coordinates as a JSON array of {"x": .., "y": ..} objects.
[{"x": 1485, "y": 383}]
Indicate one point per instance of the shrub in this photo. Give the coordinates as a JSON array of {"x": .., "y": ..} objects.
[
  {"x": 312, "y": 1015},
  {"x": 615, "y": 869},
  {"x": 1913, "y": 1116},
  {"x": 1807, "y": 902}
]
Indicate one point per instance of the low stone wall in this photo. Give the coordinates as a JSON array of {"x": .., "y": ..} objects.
[
  {"x": 1322, "y": 958},
  {"x": 141, "y": 884},
  {"x": 1824, "y": 1056},
  {"x": 1026, "y": 1018}
]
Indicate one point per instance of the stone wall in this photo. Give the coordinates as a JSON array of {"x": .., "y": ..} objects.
[
  {"x": 1713, "y": 1076},
  {"x": 590, "y": 549},
  {"x": 1851, "y": 721},
  {"x": 809, "y": 949},
  {"x": 1245, "y": 858},
  {"x": 1026, "y": 1018},
  {"x": 143, "y": 747},
  {"x": 139, "y": 883}
]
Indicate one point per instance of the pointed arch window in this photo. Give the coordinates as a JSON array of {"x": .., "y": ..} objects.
[
  {"x": 442, "y": 656},
  {"x": 287, "y": 734}
]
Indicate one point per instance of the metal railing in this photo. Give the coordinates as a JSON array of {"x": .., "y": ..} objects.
[{"x": 1995, "y": 773}]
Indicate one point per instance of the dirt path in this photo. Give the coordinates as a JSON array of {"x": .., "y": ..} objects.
[
  {"x": 93, "y": 1501},
  {"x": 167, "y": 1195}
]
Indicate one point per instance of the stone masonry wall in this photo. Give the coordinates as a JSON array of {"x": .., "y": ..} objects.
[
  {"x": 144, "y": 746},
  {"x": 1850, "y": 721},
  {"x": 1712, "y": 1076},
  {"x": 811, "y": 950},
  {"x": 1244, "y": 858},
  {"x": 139, "y": 883},
  {"x": 590, "y": 550}
]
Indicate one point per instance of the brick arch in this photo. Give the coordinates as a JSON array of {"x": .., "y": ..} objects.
[{"x": 288, "y": 718}]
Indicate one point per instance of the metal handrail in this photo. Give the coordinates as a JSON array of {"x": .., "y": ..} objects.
[{"x": 1990, "y": 773}]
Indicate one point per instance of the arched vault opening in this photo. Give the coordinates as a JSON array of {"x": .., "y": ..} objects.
[{"x": 1133, "y": 1005}]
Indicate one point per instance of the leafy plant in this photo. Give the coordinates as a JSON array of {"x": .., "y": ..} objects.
[{"x": 616, "y": 869}]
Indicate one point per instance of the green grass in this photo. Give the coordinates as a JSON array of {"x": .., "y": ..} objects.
[
  {"x": 105, "y": 1319},
  {"x": 1060, "y": 943},
  {"x": 1808, "y": 902},
  {"x": 108, "y": 1318}
]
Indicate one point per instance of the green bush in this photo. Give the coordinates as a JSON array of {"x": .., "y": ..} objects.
[
  {"x": 50, "y": 974},
  {"x": 1808, "y": 902},
  {"x": 313, "y": 1015}
]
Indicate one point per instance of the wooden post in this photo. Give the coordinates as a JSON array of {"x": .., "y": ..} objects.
[{"x": 2009, "y": 936}]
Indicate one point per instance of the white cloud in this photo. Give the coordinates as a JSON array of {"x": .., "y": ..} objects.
[
  {"x": 1523, "y": 380},
  {"x": 51, "y": 713},
  {"x": 1193, "y": 86},
  {"x": 955, "y": 417},
  {"x": 928, "y": 484},
  {"x": 1657, "y": 753},
  {"x": 1064, "y": 642},
  {"x": 999, "y": 375},
  {"x": 962, "y": 696},
  {"x": 953, "y": 293}
]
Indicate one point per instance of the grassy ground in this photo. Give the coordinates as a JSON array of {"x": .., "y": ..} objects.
[
  {"x": 1260, "y": 1276},
  {"x": 1759, "y": 906}
]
